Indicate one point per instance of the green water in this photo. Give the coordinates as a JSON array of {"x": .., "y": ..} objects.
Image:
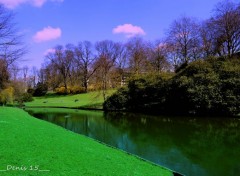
[{"x": 192, "y": 146}]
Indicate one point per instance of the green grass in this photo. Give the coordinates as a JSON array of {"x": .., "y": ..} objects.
[
  {"x": 85, "y": 100},
  {"x": 26, "y": 141}
]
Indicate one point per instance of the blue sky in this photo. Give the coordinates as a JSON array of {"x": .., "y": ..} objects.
[{"x": 46, "y": 23}]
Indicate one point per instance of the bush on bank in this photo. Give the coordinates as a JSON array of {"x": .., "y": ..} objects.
[{"x": 204, "y": 87}]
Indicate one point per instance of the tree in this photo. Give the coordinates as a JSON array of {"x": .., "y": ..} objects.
[
  {"x": 4, "y": 73},
  {"x": 31, "y": 77},
  {"x": 34, "y": 73},
  {"x": 62, "y": 60},
  {"x": 208, "y": 41},
  {"x": 158, "y": 57},
  {"x": 6, "y": 96},
  {"x": 137, "y": 55},
  {"x": 226, "y": 22},
  {"x": 121, "y": 62},
  {"x": 183, "y": 39},
  {"x": 11, "y": 47},
  {"x": 50, "y": 75},
  {"x": 42, "y": 75},
  {"x": 41, "y": 89},
  {"x": 84, "y": 60},
  {"x": 14, "y": 71},
  {"x": 25, "y": 70},
  {"x": 107, "y": 53}
]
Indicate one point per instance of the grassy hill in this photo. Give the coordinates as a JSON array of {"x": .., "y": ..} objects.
[{"x": 85, "y": 100}]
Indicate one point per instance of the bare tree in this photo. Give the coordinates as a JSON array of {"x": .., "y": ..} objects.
[
  {"x": 4, "y": 73},
  {"x": 31, "y": 77},
  {"x": 52, "y": 76},
  {"x": 226, "y": 22},
  {"x": 25, "y": 73},
  {"x": 158, "y": 57},
  {"x": 137, "y": 55},
  {"x": 69, "y": 59},
  {"x": 84, "y": 59},
  {"x": 11, "y": 47},
  {"x": 42, "y": 74},
  {"x": 183, "y": 39},
  {"x": 62, "y": 60},
  {"x": 14, "y": 72},
  {"x": 107, "y": 53},
  {"x": 207, "y": 37},
  {"x": 120, "y": 63},
  {"x": 34, "y": 72}
]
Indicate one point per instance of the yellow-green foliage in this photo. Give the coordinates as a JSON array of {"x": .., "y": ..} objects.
[
  {"x": 92, "y": 87},
  {"x": 62, "y": 90},
  {"x": 76, "y": 90},
  {"x": 70, "y": 90},
  {"x": 6, "y": 96}
]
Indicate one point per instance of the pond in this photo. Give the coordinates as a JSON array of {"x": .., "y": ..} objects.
[{"x": 191, "y": 146}]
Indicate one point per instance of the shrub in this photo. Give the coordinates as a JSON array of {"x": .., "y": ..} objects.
[
  {"x": 7, "y": 96},
  {"x": 206, "y": 88},
  {"x": 142, "y": 94},
  {"x": 193, "y": 90},
  {"x": 30, "y": 91},
  {"x": 70, "y": 90},
  {"x": 77, "y": 90},
  {"x": 26, "y": 97},
  {"x": 92, "y": 88},
  {"x": 41, "y": 89},
  {"x": 62, "y": 91},
  {"x": 118, "y": 101}
]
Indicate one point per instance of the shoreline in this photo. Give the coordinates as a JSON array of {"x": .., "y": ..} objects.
[{"x": 146, "y": 113}]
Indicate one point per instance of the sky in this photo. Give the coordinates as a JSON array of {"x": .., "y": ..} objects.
[{"x": 48, "y": 23}]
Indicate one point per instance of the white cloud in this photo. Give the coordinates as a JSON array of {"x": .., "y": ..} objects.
[
  {"x": 129, "y": 30},
  {"x": 49, "y": 51},
  {"x": 38, "y": 3},
  {"x": 47, "y": 34},
  {"x": 14, "y": 3}
]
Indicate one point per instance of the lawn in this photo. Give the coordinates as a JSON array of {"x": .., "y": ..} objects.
[
  {"x": 92, "y": 100},
  {"x": 41, "y": 148}
]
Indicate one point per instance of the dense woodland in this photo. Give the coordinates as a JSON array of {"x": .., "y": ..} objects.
[{"x": 193, "y": 69}]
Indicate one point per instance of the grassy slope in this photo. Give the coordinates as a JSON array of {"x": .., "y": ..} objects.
[
  {"x": 86, "y": 100},
  {"x": 26, "y": 141}
]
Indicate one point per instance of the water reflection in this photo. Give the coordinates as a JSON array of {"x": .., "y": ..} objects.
[{"x": 192, "y": 146}]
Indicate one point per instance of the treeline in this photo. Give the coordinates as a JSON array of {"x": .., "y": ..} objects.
[
  {"x": 107, "y": 64},
  {"x": 100, "y": 66}
]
